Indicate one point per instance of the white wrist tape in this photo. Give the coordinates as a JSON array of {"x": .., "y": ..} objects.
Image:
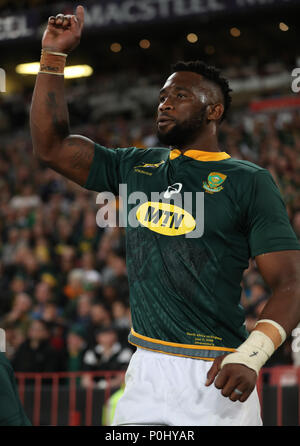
[
  {"x": 256, "y": 350},
  {"x": 276, "y": 325}
]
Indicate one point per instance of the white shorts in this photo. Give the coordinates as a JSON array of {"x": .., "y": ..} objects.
[{"x": 167, "y": 390}]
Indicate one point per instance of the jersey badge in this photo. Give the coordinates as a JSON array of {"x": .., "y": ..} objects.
[{"x": 214, "y": 182}]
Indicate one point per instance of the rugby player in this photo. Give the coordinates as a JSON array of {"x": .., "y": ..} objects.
[
  {"x": 195, "y": 363},
  {"x": 11, "y": 409}
]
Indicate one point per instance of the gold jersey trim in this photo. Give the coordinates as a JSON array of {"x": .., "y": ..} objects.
[
  {"x": 204, "y": 352},
  {"x": 200, "y": 155}
]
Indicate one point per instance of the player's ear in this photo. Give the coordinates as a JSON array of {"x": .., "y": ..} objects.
[{"x": 215, "y": 112}]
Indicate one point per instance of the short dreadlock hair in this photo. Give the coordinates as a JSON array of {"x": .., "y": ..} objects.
[{"x": 210, "y": 73}]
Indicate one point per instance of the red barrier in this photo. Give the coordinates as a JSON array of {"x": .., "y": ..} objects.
[
  {"x": 54, "y": 379},
  {"x": 279, "y": 377},
  {"x": 282, "y": 376}
]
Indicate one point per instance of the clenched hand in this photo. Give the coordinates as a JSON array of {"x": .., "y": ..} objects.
[
  {"x": 231, "y": 377},
  {"x": 63, "y": 32}
]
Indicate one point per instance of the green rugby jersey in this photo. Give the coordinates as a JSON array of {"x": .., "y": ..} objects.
[
  {"x": 11, "y": 410},
  {"x": 185, "y": 262}
]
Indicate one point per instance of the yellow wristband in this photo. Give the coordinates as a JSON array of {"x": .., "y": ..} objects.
[{"x": 52, "y": 62}]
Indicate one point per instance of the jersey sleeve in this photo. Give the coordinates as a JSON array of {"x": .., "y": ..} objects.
[
  {"x": 110, "y": 168},
  {"x": 104, "y": 174},
  {"x": 268, "y": 225}
]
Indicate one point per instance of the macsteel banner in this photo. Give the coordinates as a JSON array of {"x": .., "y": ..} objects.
[{"x": 113, "y": 13}]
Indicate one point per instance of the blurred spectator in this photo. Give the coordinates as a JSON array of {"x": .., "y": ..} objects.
[
  {"x": 79, "y": 311},
  {"x": 14, "y": 337},
  {"x": 35, "y": 354},
  {"x": 11, "y": 245},
  {"x": 19, "y": 314},
  {"x": 107, "y": 354},
  {"x": 5, "y": 300},
  {"x": 122, "y": 320},
  {"x": 121, "y": 314},
  {"x": 52, "y": 315},
  {"x": 75, "y": 347},
  {"x": 42, "y": 296},
  {"x": 100, "y": 318},
  {"x": 74, "y": 286},
  {"x": 26, "y": 199}
]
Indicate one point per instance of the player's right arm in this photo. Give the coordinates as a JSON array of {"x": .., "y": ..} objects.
[{"x": 70, "y": 155}]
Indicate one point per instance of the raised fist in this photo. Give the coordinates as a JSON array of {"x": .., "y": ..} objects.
[{"x": 63, "y": 32}]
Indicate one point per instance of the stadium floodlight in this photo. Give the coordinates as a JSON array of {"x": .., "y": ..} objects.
[
  {"x": 28, "y": 68},
  {"x": 192, "y": 38},
  {"x": 235, "y": 32},
  {"x": 115, "y": 47},
  {"x": 145, "y": 44},
  {"x": 283, "y": 26},
  {"x": 71, "y": 72},
  {"x": 75, "y": 71}
]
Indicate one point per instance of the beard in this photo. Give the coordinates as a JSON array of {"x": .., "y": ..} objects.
[{"x": 183, "y": 133}]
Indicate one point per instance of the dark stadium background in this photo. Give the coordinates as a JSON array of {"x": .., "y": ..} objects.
[{"x": 56, "y": 265}]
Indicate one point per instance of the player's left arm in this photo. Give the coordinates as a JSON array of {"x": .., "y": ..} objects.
[{"x": 281, "y": 314}]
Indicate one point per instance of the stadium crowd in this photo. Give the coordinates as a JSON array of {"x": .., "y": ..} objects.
[{"x": 64, "y": 297}]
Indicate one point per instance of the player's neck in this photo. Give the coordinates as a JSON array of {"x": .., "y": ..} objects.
[{"x": 205, "y": 143}]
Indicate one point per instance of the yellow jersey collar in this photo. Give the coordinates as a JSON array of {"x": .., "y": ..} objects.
[{"x": 200, "y": 155}]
